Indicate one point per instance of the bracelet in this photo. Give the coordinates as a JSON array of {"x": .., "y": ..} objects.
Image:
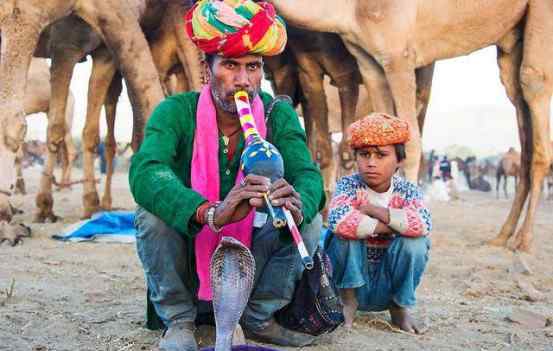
[
  {"x": 211, "y": 218},
  {"x": 200, "y": 212}
]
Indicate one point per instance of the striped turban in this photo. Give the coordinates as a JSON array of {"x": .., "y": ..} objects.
[
  {"x": 234, "y": 28},
  {"x": 378, "y": 129}
]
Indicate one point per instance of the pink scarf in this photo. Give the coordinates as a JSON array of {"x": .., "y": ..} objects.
[{"x": 205, "y": 180}]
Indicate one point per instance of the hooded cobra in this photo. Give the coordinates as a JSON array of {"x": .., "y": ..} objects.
[{"x": 232, "y": 275}]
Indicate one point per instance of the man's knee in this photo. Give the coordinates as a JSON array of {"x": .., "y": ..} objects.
[{"x": 149, "y": 226}]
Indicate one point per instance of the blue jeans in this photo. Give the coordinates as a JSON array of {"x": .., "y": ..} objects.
[
  {"x": 394, "y": 279},
  {"x": 171, "y": 280}
]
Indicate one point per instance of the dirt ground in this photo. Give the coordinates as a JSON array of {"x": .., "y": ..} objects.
[{"x": 90, "y": 296}]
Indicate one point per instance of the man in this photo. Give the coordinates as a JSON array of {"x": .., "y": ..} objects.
[
  {"x": 379, "y": 225},
  {"x": 445, "y": 168},
  {"x": 188, "y": 185}
]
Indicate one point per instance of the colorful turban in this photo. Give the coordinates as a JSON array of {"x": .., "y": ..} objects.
[
  {"x": 234, "y": 28},
  {"x": 378, "y": 129}
]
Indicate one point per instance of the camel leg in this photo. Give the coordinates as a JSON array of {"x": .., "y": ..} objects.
[
  {"x": 110, "y": 144},
  {"x": 70, "y": 148},
  {"x": 400, "y": 73},
  {"x": 311, "y": 80},
  {"x": 20, "y": 182},
  {"x": 348, "y": 91},
  {"x": 374, "y": 80},
  {"x": 536, "y": 76},
  {"x": 187, "y": 52},
  {"x": 44, "y": 200},
  {"x": 19, "y": 39},
  {"x": 63, "y": 62},
  {"x": 177, "y": 81},
  {"x": 103, "y": 70},
  {"x": 424, "y": 85},
  {"x": 509, "y": 65},
  {"x": 505, "y": 187},
  {"x": 123, "y": 35}
]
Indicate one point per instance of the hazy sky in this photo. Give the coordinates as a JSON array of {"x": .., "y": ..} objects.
[{"x": 468, "y": 107}]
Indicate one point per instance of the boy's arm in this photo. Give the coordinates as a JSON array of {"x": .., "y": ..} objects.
[
  {"x": 413, "y": 219},
  {"x": 344, "y": 217}
]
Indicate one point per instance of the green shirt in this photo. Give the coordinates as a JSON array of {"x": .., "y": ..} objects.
[{"x": 160, "y": 171}]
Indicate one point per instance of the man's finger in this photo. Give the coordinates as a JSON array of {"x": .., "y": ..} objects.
[
  {"x": 253, "y": 179},
  {"x": 278, "y": 184},
  {"x": 255, "y": 188},
  {"x": 256, "y": 202},
  {"x": 286, "y": 191},
  {"x": 246, "y": 195},
  {"x": 296, "y": 212}
]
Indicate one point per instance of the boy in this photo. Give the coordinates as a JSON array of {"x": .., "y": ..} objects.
[{"x": 379, "y": 242}]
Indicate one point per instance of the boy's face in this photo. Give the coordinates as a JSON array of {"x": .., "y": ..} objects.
[{"x": 377, "y": 165}]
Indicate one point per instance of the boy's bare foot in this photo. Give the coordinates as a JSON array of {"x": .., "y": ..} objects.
[
  {"x": 403, "y": 320},
  {"x": 350, "y": 306}
]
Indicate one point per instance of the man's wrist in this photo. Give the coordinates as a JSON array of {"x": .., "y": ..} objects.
[
  {"x": 200, "y": 217},
  {"x": 210, "y": 217}
]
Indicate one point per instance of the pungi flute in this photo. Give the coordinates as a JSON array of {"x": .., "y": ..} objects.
[{"x": 262, "y": 158}]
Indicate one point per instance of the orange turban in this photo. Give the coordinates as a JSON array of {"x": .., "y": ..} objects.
[
  {"x": 234, "y": 28},
  {"x": 378, "y": 129}
]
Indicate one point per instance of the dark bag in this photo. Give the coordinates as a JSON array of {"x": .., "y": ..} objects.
[{"x": 315, "y": 308}]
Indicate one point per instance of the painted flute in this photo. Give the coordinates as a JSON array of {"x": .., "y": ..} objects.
[{"x": 262, "y": 158}]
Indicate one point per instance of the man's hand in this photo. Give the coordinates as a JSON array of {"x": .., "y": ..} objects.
[
  {"x": 284, "y": 194},
  {"x": 240, "y": 199}
]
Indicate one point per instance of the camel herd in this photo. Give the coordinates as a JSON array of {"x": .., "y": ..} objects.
[{"x": 388, "y": 46}]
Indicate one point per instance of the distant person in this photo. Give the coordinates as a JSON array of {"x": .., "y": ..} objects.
[
  {"x": 445, "y": 168},
  {"x": 430, "y": 166},
  {"x": 378, "y": 242},
  {"x": 102, "y": 154}
]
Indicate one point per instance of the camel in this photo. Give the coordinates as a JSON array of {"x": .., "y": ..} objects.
[
  {"x": 21, "y": 23},
  {"x": 509, "y": 166},
  {"x": 299, "y": 72},
  {"x": 391, "y": 38},
  {"x": 170, "y": 48},
  {"x": 37, "y": 99}
]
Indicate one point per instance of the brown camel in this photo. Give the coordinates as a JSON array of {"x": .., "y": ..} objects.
[
  {"x": 509, "y": 166},
  {"x": 391, "y": 38},
  {"x": 170, "y": 48},
  {"x": 37, "y": 99},
  {"x": 21, "y": 23}
]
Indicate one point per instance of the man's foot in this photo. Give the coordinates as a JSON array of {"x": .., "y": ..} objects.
[
  {"x": 350, "y": 306},
  {"x": 274, "y": 333},
  {"x": 179, "y": 337},
  {"x": 403, "y": 320}
]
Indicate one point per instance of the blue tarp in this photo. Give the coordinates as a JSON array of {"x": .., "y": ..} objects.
[{"x": 116, "y": 226}]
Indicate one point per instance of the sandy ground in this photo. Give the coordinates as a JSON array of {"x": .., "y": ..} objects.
[{"x": 90, "y": 296}]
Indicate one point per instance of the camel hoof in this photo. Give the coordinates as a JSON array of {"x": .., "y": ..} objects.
[
  {"x": 46, "y": 218},
  {"x": 106, "y": 204},
  {"x": 13, "y": 234},
  {"x": 497, "y": 242},
  {"x": 521, "y": 243},
  {"x": 91, "y": 204}
]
